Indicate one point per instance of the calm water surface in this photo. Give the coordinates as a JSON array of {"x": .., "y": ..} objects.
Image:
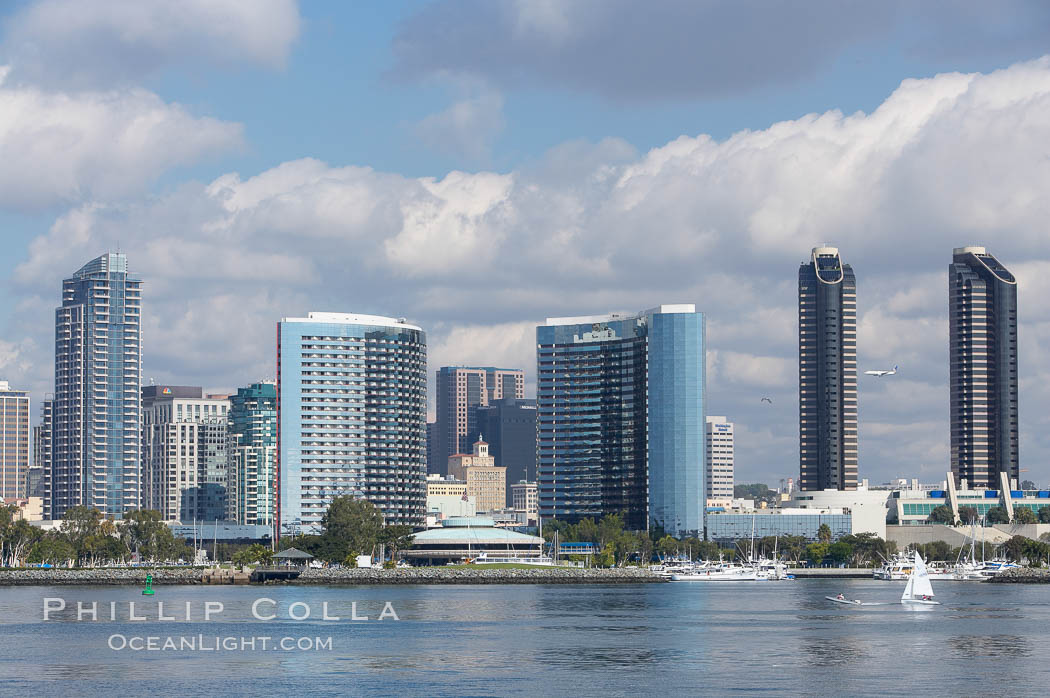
[{"x": 669, "y": 639}]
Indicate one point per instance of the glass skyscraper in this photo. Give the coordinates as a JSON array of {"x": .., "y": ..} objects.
[
  {"x": 98, "y": 375},
  {"x": 351, "y": 417},
  {"x": 827, "y": 372},
  {"x": 620, "y": 418},
  {"x": 982, "y": 346},
  {"x": 252, "y": 454}
]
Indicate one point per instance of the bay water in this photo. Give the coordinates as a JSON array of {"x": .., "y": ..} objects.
[{"x": 663, "y": 639}]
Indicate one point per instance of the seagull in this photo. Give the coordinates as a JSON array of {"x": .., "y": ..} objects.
[
  {"x": 880, "y": 374},
  {"x": 766, "y": 399}
]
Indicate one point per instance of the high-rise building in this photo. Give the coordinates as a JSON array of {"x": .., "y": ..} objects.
[
  {"x": 351, "y": 417},
  {"x": 718, "y": 473},
  {"x": 827, "y": 370},
  {"x": 620, "y": 418},
  {"x": 184, "y": 453},
  {"x": 98, "y": 353},
  {"x": 252, "y": 454},
  {"x": 486, "y": 481},
  {"x": 509, "y": 426},
  {"x": 460, "y": 391},
  {"x": 39, "y": 478},
  {"x": 14, "y": 442},
  {"x": 982, "y": 345}
]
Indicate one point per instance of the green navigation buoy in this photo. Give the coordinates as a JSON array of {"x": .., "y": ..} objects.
[{"x": 148, "y": 591}]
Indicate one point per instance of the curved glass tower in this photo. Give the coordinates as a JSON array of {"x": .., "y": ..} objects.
[
  {"x": 982, "y": 345},
  {"x": 351, "y": 417},
  {"x": 827, "y": 372},
  {"x": 620, "y": 418}
]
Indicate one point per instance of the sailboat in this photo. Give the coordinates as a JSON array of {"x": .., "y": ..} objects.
[{"x": 919, "y": 590}]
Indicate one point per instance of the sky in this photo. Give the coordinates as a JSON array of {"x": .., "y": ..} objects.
[{"x": 477, "y": 166}]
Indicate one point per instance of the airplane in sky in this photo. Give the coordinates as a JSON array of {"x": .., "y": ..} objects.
[{"x": 880, "y": 374}]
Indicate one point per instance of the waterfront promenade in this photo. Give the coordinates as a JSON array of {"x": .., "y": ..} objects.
[{"x": 412, "y": 575}]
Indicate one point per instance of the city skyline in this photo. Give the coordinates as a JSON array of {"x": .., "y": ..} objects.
[{"x": 305, "y": 175}]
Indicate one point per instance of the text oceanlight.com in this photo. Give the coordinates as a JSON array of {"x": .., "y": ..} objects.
[{"x": 215, "y": 643}]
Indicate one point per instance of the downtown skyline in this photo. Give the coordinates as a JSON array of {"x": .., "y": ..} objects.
[{"x": 592, "y": 219}]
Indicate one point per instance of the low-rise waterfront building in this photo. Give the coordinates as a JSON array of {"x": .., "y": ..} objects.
[{"x": 467, "y": 538}]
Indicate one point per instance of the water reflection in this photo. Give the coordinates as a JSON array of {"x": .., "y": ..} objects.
[
  {"x": 990, "y": 645},
  {"x": 834, "y": 651}
]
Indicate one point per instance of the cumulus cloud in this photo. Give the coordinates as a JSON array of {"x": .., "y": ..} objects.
[
  {"x": 58, "y": 147},
  {"x": 107, "y": 42},
  {"x": 479, "y": 259}
]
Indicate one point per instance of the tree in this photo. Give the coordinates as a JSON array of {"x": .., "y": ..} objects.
[
  {"x": 1024, "y": 515},
  {"x": 824, "y": 533},
  {"x": 610, "y": 529},
  {"x": 396, "y": 538},
  {"x": 1016, "y": 547},
  {"x": 968, "y": 515},
  {"x": 667, "y": 546},
  {"x": 552, "y": 526},
  {"x": 1028, "y": 485},
  {"x": 997, "y": 515},
  {"x": 144, "y": 533},
  {"x": 867, "y": 548},
  {"x": 707, "y": 550},
  {"x": 351, "y": 527},
  {"x": 20, "y": 539},
  {"x": 942, "y": 515},
  {"x": 253, "y": 554},
  {"x": 840, "y": 552},
  {"x": 937, "y": 550},
  {"x": 1044, "y": 515},
  {"x": 586, "y": 531},
  {"x": 816, "y": 552},
  {"x": 78, "y": 525}
]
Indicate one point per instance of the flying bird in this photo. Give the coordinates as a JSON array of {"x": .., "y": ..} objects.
[
  {"x": 880, "y": 374},
  {"x": 766, "y": 399}
]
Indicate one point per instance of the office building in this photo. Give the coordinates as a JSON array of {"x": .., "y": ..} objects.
[
  {"x": 351, "y": 417},
  {"x": 718, "y": 471},
  {"x": 460, "y": 391},
  {"x": 982, "y": 347},
  {"x": 509, "y": 426},
  {"x": 620, "y": 418},
  {"x": 184, "y": 453},
  {"x": 438, "y": 486},
  {"x": 14, "y": 442},
  {"x": 95, "y": 454},
  {"x": 486, "y": 481},
  {"x": 827, "y": 369},
  {"x": 525, "y": 497},
  {"x": 252, "y": 455}
]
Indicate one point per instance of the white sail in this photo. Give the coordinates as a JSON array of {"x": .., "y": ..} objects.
[
  {"x": 919, "y": 586},
  {"x": 907, "y": 595}
]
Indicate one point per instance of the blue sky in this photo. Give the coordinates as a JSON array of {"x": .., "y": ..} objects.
[{"x": 585, "y": 131}]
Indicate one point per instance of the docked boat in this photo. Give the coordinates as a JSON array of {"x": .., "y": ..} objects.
[
  {"x": 919, "y": 590},
  {"x": 719, "y": 572},
  {"x": 897, "y": 568}
]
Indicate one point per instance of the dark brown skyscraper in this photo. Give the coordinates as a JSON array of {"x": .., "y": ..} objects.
[
  {"x": 827, "y": 372},
  {"x": 982, "y": 345}
]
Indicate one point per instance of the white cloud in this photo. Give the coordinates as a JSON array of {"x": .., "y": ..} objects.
[
  {"x": 60, "y": 147},
  {"x": 467, "y": 128},
  {"x": 105, "y": 42},
  {"x": 478, "y": 259}
]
